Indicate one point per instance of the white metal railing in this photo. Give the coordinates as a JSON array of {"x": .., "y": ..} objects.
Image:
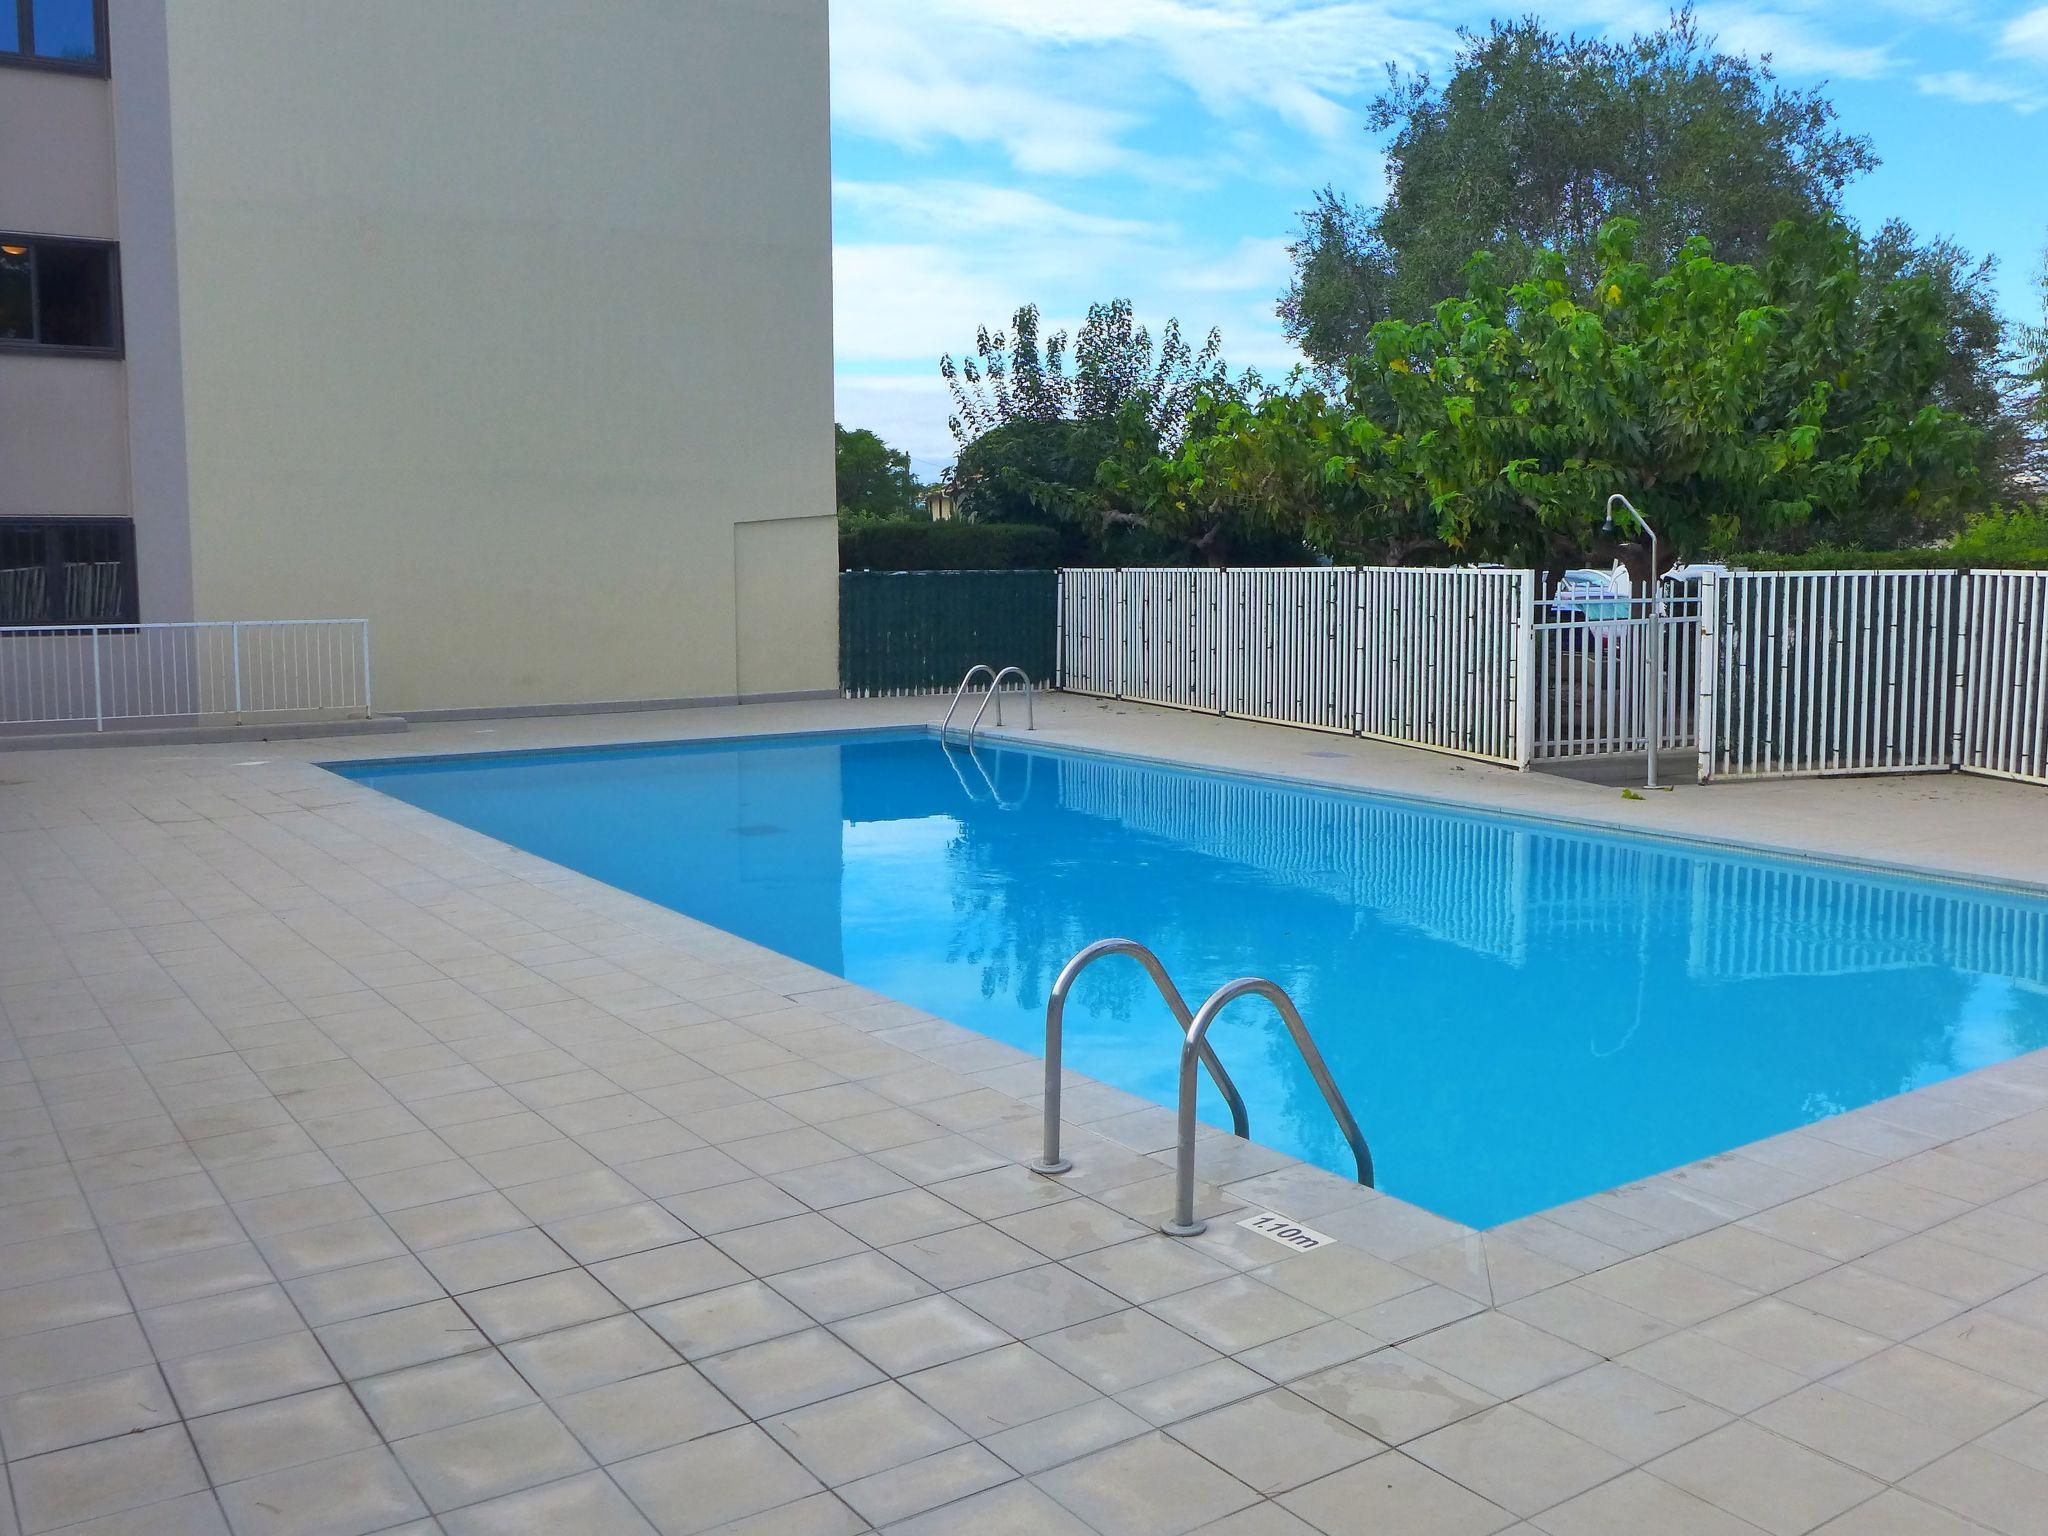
[
  {"x": 1430, "y": 658},
  {"x": 1591, "y": 667},
  {"x": 2001, "y": 707},
  {"x": 268, "y": 669}
]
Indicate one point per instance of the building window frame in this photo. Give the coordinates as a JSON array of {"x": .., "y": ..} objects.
[
  {"x": 51, "y": 530},
  {"x": 24, "y": 55},
  {"x": 116, "y": 346}
]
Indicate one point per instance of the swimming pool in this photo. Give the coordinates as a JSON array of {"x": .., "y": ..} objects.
[{"x": 1520, "y": 1013}]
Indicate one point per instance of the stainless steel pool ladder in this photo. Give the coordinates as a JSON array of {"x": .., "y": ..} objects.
[
  {"x": 994, "y": 694},
  {"x": 1194, "y": 1047}
]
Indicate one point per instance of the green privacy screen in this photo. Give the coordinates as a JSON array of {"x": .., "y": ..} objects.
[{"x": 917, "y": 631}]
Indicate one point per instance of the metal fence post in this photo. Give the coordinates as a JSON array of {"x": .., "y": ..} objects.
[
  {"x": 1709, "y": 665},
  {"x": 368, "y": 714},
  {"x": 235, "y": 664},
  {"x": 99, "y": 708},
  {"x": 1059, "y": 631},
  {"x": 1523, "y": 683}
]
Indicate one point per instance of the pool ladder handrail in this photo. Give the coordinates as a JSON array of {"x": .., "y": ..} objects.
[
  {"x": 979, "y": 666},
  {"x": 1184, "y": 1223},
  {"x": 1194, "y": 1047},
  {"x": 1055, "y": 1023},
  {"x": 994, "y": 694}
]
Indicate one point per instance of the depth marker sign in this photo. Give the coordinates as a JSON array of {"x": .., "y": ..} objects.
[{"x": 1288, "y": 1234}]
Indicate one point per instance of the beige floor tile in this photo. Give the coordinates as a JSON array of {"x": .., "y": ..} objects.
[
  {"x": 389, "y": 1341},
  {"x": 1803, "y": 1342},
  {"x": 645, "y": 1413},
  {"x": 105, "y": 1477},
  {"x": 1015, "y": 1509},
  {"x": 1236, "y": 1313},
  {"x": 724, "y": 1319},
  {"x": 481, "y": 1459},
  {"x": 590, "y": 1355},
  {"x": 1856, "y": 1432},
  {"x": 863, "y": 1432},
  {"x": 1393, "y": 1492},
  {"x": 1764, "y": 1479},
  {"x": 787, "y": 1372},
  {"x": 362, "y": 1491},
  {"x": 1146, "y": 1487},
  {"x": 287, "y": 1432},
  {"x": 2024, "y": 1439},
  {"x": 999, "y": 1389},
  {"x": 713, "y": 1481},
  {"x": 840, "y": 1288},
  {"x": 1637, "y": 1504},
  {"x": 1983, "y": 1486},
  {"x": 51, "y": 1418},
  {"x": 1500, "y": 1354},
  {"x": 433, "y": 1396},
  {"x": 914, "y": 1335},
  {"x": 1990, "y": 1343},
  {"x": 1633, "y": 1416},
  {"x": 1667, "y": 1289},
  {"x": 1929, "y": 1389},
  {"x": 589, "y": 1505},
  {"x": 1276, "y": 1441},
  {"x": 1393, "y": 1396},
  {"x": 1520, "y": 1462},
  {"x": 1122, "y": 1350}
]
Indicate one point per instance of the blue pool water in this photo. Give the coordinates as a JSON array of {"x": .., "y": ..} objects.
[{"x": 1520, "y": 1013}]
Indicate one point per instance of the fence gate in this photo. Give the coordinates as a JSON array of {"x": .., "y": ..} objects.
[{"x": 1592, "y": 659}]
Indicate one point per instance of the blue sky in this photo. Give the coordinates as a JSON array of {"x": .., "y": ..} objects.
[{"x": 986, "y": 152}]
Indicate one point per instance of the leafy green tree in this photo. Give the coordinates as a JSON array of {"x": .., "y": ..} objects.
[
  {"x": 1775, "y": 405},
  {"x": 1110, "y": 362},
  {"x": 2030, "y": 392},
  {"x": 1536, "y": 140},
  {"x": 875, "y": 480},
  {"x": 1053, "y": 430}
]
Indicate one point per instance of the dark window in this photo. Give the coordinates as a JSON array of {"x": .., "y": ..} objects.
[
  {"x": 59, "y": 293},
  {"x": 67, "y": 571},
  {"x": 54, "y": 34}
]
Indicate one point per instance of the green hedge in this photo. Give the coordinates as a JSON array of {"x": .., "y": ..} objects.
[
  {"x": 913, "y": 546},
  {"x": 1893, "y": 560}
]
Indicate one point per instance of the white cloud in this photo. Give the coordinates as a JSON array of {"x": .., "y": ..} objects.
[
  {"x": 1979, "y": 90},
  {"x": 2027, "y": 34},
  {"x": 908, "y": 411},
  {"x": 1796, "y": 46},
  {"x": 1060, "y": 86},
  {"x": 896, "y": 80},
  {"x": 967, "y": 208}
]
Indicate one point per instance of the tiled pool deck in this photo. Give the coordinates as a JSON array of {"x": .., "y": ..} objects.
[{"x": 358, "y": 1173}]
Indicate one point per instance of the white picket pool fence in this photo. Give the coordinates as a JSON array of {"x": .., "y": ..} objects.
[
  {"x": 191, "y": 674},
  {"x": 2002, "y": 675},
  {"x": 1833, "y": 672},
  {"x": 1426, "y": 658},
  {"x": 1764, "y": 674}
]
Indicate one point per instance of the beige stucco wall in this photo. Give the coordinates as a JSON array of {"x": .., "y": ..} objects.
[{"x": 496, "y": 319}]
